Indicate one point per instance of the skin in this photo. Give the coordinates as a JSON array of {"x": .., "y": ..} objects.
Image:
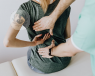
[
  {"x": 38, "y": 27},
  {"x": 45, "y": 51},
  {"x": 68, "y": 29},
  {"x": 10, "y": 39},
  {"x": 62, "y": 50},
  {"x": 48, "y": 22}
]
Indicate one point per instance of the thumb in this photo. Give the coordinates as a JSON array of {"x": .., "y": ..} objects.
[
  {"x": 51, "y": 31},
  {"x": 52, "y": 44}
]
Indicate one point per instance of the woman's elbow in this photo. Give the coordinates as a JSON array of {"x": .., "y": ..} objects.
[{"x": 6, "y": 43}]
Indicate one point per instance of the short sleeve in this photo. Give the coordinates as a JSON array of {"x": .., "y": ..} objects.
[
  {"x": 68, "y": 11},
  {"x": 24, "y": 13}
]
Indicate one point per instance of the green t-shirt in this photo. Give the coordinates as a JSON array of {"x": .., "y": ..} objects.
[
  {"x": 84, "y": 35},
  {"x": 47, "y": 65}
]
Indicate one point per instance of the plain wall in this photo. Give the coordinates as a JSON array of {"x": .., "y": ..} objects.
[{"x": 7, "y": 7}]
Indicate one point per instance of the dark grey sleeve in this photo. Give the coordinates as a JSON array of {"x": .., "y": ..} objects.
[{"x": 23, "y": 12}]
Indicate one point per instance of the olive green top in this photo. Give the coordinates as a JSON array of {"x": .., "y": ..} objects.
[{"x": 34, "y": 12}]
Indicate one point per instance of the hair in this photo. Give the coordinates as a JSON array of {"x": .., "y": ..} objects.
[{"x": 44, "y": 4}]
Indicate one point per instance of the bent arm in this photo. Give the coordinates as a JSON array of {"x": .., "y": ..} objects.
[
  {"x": 68, "y": 29},
  {"x": 61, "y": 7},
  {"x": 10, "y": 39},
  {"x": 65, "y": 49}
]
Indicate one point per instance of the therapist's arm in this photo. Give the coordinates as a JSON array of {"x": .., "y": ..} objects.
[
  {"x": 62, "y": 50},
  {"x": 65, "y": 49},
  {"x": 61, "y": 7},
  {"x": 48, "y": 22}
]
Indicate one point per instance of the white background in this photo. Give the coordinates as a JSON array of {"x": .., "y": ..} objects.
[{"x": 7, "y": 7}]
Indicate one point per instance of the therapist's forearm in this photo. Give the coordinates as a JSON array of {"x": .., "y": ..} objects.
[
  {"x": 61, "y": 7},
  {"x": 61, "y": 50},
  {"x": 65, "y": 49}
]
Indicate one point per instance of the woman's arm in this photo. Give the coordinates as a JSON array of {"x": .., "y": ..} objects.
[
  {"x": 10, "y": 39},
  {"x": 68, "y": 29}
]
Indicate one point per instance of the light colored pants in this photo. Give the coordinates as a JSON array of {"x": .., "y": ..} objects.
[{"x": 30, "y": 66}]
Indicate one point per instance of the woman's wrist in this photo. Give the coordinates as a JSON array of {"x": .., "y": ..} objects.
[{"x": 33, "y": 43}]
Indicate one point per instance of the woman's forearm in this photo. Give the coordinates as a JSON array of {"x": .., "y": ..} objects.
[
  {"x": 61, "y": 7},
  {"x": 18, "y": 43}
]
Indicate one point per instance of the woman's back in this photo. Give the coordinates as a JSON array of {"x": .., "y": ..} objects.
[{"x": 47, "y": 65}]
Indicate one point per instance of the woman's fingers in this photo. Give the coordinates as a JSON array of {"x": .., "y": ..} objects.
[
  {"x": 46, "y": 36},
  {"x": 39, "y": 35},
  {"x": 52, "y": 44}
]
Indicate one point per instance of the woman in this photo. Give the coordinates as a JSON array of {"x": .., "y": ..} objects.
[{"x": 37, "y": 9}]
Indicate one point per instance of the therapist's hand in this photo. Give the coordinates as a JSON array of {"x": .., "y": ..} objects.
[
  {"x": 45, "y": 51},
  {"x": 46, "y": 22}
]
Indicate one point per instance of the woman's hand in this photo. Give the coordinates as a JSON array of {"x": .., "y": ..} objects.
[
  {"x": 46, "y": 22},
  {"x": 45, "y": 51},
  {"x": 38, "y": 40}
]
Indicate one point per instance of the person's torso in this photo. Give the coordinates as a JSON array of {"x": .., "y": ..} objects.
[{"x": 46, "y": 64}]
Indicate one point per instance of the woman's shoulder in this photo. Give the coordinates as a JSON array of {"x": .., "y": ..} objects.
[
  {"x": 29, "y": 4},
  {"x": 25, "y": 4}
]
